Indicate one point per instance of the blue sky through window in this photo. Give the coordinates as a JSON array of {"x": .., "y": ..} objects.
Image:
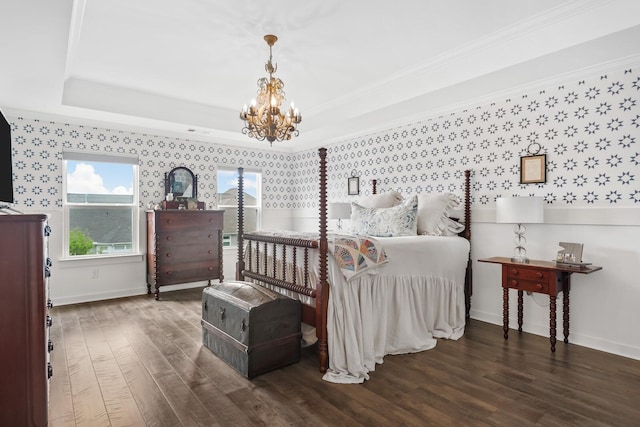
[
  {"x": 99, "y": 178},
  {"x": 229, "y": 179}
]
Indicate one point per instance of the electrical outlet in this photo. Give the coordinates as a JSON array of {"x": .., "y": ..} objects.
[{"x": 95, "y": 273}]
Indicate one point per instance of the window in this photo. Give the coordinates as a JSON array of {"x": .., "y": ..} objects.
[
  {"x": 100, "y": 205},
  {"x": 228, "y": 200}
]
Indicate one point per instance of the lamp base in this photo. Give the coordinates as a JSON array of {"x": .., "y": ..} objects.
[{"x": 520, "y": 259}]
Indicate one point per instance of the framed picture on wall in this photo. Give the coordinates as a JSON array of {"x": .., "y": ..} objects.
[
  {"x": 533, "y": 169},
  {"x": 353, "y": 186}
]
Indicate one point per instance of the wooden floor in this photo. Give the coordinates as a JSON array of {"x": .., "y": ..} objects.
[{"x": 137, "y": 362}]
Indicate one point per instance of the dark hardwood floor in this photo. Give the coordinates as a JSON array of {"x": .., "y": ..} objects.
[{"x": 137, "y": 362}]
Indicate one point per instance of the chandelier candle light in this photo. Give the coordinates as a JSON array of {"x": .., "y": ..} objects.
[
  {"x": 519, "y": 211},
  {"x": 264, "y": 119}
]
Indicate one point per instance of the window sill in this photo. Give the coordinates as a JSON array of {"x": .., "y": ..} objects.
[{"x": 101, "y": 260}]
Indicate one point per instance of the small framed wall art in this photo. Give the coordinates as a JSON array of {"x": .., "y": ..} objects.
[
  {"x": 533, "y": 169},
  {"x": 353, "y": 186}
]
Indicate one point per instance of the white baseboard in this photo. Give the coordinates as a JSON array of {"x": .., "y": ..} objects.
[
  {"x": 121, "y": 293},
  {"x": 577, "y": 339}
]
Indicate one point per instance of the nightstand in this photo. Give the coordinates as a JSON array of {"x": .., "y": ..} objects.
[{"x": 544, "y": 277}]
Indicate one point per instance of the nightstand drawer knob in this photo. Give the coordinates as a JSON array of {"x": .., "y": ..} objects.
[
  {"x": 539, "y": 286},
  {"x": 514, "y": 272},
  {"x": 540, "y": 275},
  {"x": 514, "y": 283}
]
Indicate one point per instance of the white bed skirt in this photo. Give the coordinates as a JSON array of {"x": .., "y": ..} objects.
[{"x": 365, "y": 321}]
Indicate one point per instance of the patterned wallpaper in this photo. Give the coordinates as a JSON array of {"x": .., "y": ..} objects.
[
  {"x": 588, "y": 129},
  {"x": 37, "y": 157}
]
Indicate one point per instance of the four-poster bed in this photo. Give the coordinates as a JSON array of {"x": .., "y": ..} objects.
[{"x": 300, "y": 265}]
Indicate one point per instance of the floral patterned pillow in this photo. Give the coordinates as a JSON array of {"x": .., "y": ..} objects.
[{"x": 385, "y": 222}]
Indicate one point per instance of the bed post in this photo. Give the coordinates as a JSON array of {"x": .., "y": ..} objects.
[
  {"x": 468, "y": 279},
  {"x": 240, "y": 226},
  {"x": 322, "y": 288}
]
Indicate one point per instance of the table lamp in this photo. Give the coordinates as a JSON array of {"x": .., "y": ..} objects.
[
  {"x": 520, "y": 211},
  {"x": 339, "y": 211}
]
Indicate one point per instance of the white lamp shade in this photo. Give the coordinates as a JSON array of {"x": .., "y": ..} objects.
[
  {"x": 339, "y": 210},
  {"x": 520, "y": 210}
]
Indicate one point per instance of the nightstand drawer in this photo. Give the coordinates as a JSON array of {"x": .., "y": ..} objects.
[
  {"x": 520, "y": 273},
  {"x": 528, "y": 285}
]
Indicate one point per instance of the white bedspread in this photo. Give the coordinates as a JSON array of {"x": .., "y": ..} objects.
[{"x": 401, "y": 307}]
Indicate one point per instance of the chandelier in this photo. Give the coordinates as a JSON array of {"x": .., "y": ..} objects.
[{"x": 264, "y": 119}]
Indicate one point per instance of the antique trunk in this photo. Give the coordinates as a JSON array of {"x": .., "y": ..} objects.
[{"x": 253, "y": 329}]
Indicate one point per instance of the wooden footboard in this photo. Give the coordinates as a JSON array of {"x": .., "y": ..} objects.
[{"x": 255, "y": 263}]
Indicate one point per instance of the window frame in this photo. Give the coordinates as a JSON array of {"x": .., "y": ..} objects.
[
  {"x": 258, "y": 206},
  {"x": 134, "y": 206}
]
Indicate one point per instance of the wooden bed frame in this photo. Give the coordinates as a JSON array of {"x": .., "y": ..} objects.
[{"x": 315, "y": 315}]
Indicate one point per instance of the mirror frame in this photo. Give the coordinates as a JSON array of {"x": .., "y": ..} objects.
[{"x": 170, "y": 179}]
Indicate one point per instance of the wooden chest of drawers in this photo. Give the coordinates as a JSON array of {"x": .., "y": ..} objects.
[
  {"x": 183, "y": 246},
  {"x": 24, "y": 320}
]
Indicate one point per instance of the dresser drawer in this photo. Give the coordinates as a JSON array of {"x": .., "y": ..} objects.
[
  {"x": 199, "y": 238},
  {"x": 189, "y": 220},
  {"x": 170, "y": 274}
]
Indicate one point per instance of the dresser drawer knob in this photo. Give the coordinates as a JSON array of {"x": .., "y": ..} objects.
[
  {"x": 169, "y": 238},
  {"x": 539, "y": 274},
  {"x": 514, "y": 272},
  {"x": 169, "y": 273},
  {"x": 169, "y": 255},
  {"x": 539, "y": 286},
  {"x": 210, "y": 268},
  {"x": 210, "y": 236},
  {"x": 169, "y": 221},
  {"x": 209, "y": 251},
  {"x": 514, "y": 283}
]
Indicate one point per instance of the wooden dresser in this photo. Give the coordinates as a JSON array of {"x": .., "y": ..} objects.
[
  {"x": 24, "y": 320},
  {"x": 183, "y": 246}
]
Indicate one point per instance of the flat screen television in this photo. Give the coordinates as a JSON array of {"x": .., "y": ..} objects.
[{"x": 6, "y": 173}]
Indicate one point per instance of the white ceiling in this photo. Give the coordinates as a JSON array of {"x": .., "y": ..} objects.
[{"x": 187, "y": 67}]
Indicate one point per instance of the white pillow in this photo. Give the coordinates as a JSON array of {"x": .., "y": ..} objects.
[
  {"x": 433, "y": 212},
  {"x": 382, "y": 200},
  {"x": 452, "y": 228},
  {"x": 385, "y": 222}
]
